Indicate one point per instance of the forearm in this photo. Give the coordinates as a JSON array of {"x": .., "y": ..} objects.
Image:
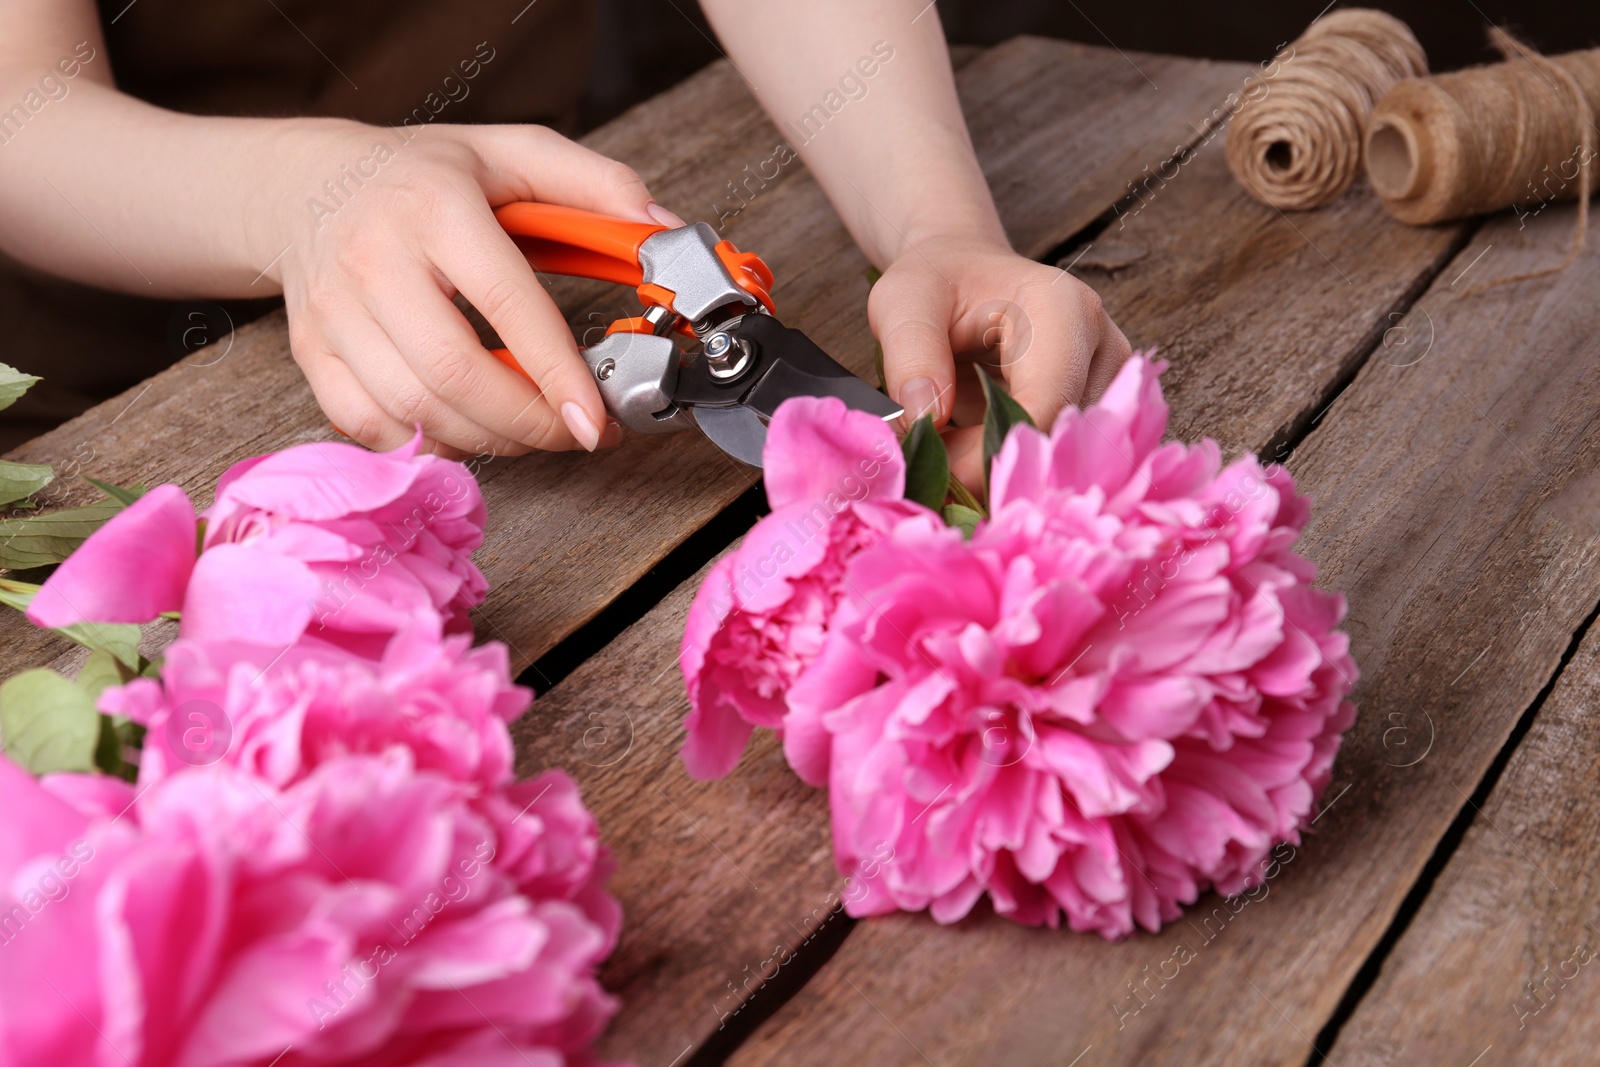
[
  {"x": 104, "y": 189},
  {"x": 891, "y": 149}
]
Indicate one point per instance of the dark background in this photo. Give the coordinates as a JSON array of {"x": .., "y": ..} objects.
[
  {"x": 642, "y": 48},
  {"x": 647, "y": 45}
]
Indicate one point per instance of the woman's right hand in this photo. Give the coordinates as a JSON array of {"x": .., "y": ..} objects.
[{"x": 381, "y": 233}]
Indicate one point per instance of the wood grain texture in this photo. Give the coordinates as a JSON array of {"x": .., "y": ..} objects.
[
  {"x": 567, "y": 533},
  {"x": 1455, "y": 507},
  {"x": 1500, "y": 962},
  {"x": 1259, "y": 312},
  {"x": 713, "y": 876}
]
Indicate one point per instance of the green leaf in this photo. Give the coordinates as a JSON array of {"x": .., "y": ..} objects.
[
  {"x": 116, "y": 492},
  {"x": 13, "y": 383},
  {"x": 18, "y": 594},
  {"x": 963, "y": 496},
  {"x": 40, "y": 540},
  {"x": 48, "y": 723},
  {"x": 101, "y": 671},
  {"x": 117, "y": 735},
  {"x": 18, "y": 480},
  {"x": 1002, "y": 414},
  {"x": 962, "y": 518},
  {"x": 119, "y": 639},
  {"x": 927, "y": 464}
]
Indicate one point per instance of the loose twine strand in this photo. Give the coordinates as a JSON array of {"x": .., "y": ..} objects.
[{"x": 1297, "y": 142}]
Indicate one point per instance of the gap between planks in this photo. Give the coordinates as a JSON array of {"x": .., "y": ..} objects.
[{"x": 1443, "y": 853}]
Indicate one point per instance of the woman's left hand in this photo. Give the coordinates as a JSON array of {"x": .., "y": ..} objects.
[{"x": 971, "y": 299}]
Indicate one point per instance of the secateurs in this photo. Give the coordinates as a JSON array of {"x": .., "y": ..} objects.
[{"x": 741, "y": 362}]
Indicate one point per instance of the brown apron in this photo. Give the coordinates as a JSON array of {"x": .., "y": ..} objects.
[{"x": 375, "y": 61}]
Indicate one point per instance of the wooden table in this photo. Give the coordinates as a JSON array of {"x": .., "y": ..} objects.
[{"x": 1450, "y": 439}]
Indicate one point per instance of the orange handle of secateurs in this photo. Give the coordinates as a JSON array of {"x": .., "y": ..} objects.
[
  {"x": 585, "y": 244},
  {"x": 566, "y": 240}
]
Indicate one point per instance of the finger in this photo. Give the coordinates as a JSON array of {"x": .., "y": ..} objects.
[
  {"x": 965, "y": 446},
  {"x": 368, "y": 354},
  {"x": 442, "y": 349},
  {"x": 348, "y": 406},
  {"x": 1068, "y": 326},
  {"x": 910, "y": 313},
  {"x": 968, "y": 406},
  {"x": 536, "y": 163},
  {"x": 1113, "y": 352},
  {"x": 489, "y": 270}
]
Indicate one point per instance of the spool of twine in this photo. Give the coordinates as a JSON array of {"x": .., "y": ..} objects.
[
  {"x": 1296, "y": 141},
  {"x": 1488, "y": 138}
]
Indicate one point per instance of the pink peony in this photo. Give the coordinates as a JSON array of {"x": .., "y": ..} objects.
[
  {"x": 366, "y": 915},
  {"x": 1121, "y": 691},
  {"x": 324, "y": 538},
  {"x": 836, "y": 481},
  {"x": 281, "y": 717},
  {"x": 278, "y": 714}
]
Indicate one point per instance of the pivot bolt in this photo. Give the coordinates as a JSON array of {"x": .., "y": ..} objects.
[
  {"x": 605, "y": 369},
  {"x": 726, "y": 358}
]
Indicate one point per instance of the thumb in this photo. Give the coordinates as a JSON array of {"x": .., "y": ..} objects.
[
  {"x": 536, "y": 163},
  {"x": 910, "y": 313}
]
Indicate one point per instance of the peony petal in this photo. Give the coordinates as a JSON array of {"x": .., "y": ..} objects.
[
  {"x": 259, "y": 1006},
  {"x": 1021, "y": 468},
  {"x": 818, "y": 449},
  {"x": 36, "y": 824},
  {"x": 498, "y": 940},
  {"x": 320, "y": 480},
  {"x": 717, "y": 736},
  {"x": 130, "y": 570},
  {"x": 243, "y": 593},
  {"x": 807, "y": 745}
]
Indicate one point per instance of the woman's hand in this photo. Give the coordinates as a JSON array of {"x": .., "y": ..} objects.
[
  {"x": 382, "y": 232},
  {"x": 974, "y": 299}
]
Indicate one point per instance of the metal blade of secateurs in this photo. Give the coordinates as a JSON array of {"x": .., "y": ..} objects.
[
  {"x": 803, "y": 369},
  {"x": 738, "y": 431}
]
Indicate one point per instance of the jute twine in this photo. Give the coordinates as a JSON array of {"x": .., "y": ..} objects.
[
  {"x": 1513, "y": 134},
  {"x": 1296, "y": 144}
]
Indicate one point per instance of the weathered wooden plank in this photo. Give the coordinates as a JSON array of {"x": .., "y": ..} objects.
[
  {"x": 695, "y": 923},
  {"x": 1499, "y": 963},
  {"x": 568, "y": 532},
  {"x": 1259, "y": 312},
  {"x": 1439, "y": 481}
]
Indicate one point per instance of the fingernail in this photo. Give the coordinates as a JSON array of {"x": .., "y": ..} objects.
[
  {"x": 612, "y": 437},
  {"x": 920, "y": 397},
  {"x": 581, "y": 425},
  {"x": 663, "y": 216}
]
